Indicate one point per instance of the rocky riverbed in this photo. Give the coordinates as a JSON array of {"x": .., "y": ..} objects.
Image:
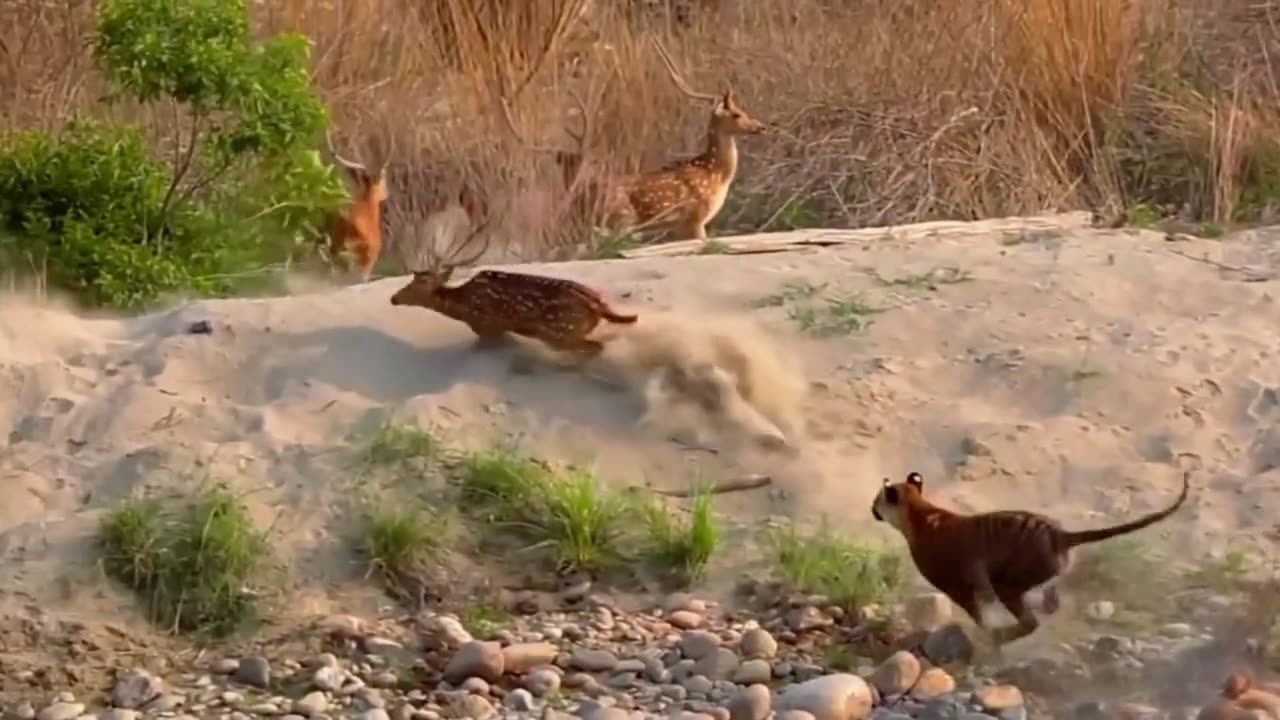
[{"x": 802, "y": 659}]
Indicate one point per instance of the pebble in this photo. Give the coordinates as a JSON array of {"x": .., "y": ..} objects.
[
  {"x": 897, "y": 674},
  {"x": 840, "y": 696},
  {"x": 591, "y": 660},
  {"x": 542, "y": 681},
  {"x": 520, "y": 658},
  {"x": 1100, "y": 610},
  {"x": 928, "y": 611},
  {"x": 754, "y": 702},
  {"x": 254, "y": 671},
  {"x": 686, "y": 619},
  {"x": 698, "y": 685},
  {"x": 328, "y": 677},
  {"x": 447, "y": 632},
  {"x": 342, "y": 626},
  {"x": 697, "y": 644},
  {"x": 933, "y": 683},
  {"x": 949, "y": 644},
  {"x": 225, "y": 666},
  {"x": 752, "y": 672},
  {"x": 474, "y": 706},
  {"x": 477, "y": 658},
  {"x": 1176, "y": 630},
  {"x": 719, "y": 664},
  {"x": 997, "y": 698},
  {"x": 61, "y": 711},
  {"x": 520, "y": 700},
  {"x": 806, "y": 618},
  {"x": 757, "y": 643},
  {"x": 135, "y": 689}
]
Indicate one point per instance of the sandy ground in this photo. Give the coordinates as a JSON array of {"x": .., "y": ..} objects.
[{"x": 1071, "y": 370}]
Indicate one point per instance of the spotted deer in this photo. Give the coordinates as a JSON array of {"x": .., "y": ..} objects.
[
  {"x": 684, "y": 196},
  {"x": 559, "y": 312},
  {"x": 356, "y": 232},
  {"x": 679, "y": 199}
]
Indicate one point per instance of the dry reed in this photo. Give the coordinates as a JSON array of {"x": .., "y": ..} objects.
[{"x": 884, "y": 111}]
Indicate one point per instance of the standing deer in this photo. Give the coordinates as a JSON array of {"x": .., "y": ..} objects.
[
  {"x": 356, "y": 233},
  {"x": 680, "y": 198},
  {"x": 493, "y": 303}
]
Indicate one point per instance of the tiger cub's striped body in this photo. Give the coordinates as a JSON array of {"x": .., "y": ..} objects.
[{"x": 977, "y": 560}]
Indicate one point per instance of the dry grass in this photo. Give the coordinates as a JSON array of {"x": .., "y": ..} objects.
[{"x": 884, "y": 111}]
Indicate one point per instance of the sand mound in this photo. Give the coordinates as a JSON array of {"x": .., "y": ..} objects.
[{"x": 1016, "y": 363}]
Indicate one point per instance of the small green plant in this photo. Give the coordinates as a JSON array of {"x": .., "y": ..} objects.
[
  {"x": 840, "y": 658},
  {"x": 929, "y": 280},
  {"x": 846, "y": 315},
  {"x": 848, "y": 573},
  {"x": 580, "y": 522},
  {"x": 1109, "y": 568},
  {"x": 792, "y": 291},
  {"x": 1226, "y": 574},
  {"x": 839, "y": 315},
  {"x": 795, "y": 214},
  {"x": 1142, "y": 215},
  {"x": 504, "y": 482},
  {"x": 394, "y": 442},
  {"x": 401, "y": 542},
  {"x": 1211, "y": 231},
  {"x": 194, "y": 563},
  {"x": 713, "y": 247},
  {"x": 484, "y": 619},
  {"x": 682, "y": 548},
  {"x": 611, "y": 245}
]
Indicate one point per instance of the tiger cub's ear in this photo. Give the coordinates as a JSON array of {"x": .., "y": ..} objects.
[{"x": 916, "y": 479}]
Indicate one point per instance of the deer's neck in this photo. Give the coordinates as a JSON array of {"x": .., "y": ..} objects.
[{"x": 721, "y": 153}]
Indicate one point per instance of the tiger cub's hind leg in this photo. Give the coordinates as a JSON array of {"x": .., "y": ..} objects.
[
  {"x": 1016, "y": 602},
  {"x": 1050, "y": 601}
]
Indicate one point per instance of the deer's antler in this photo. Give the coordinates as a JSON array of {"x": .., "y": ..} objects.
[
  {"x": 676, "y": 77},
  {"x": 350, "y": 164}
]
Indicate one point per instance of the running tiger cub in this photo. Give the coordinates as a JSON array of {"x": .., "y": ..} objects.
[{"x": 978, "y": 559}]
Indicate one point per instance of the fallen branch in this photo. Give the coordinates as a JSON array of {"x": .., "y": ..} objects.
[
  {"x": 750, "y": 482},
  {"x": 1250, "y": 274},
  {"x": 747, "y": 245}
]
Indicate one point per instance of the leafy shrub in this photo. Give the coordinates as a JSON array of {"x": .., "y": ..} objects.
[
  {"x": 193, "y": 563},
  {"x": 82, "y": 204},
  {"x": 241, "y": 186}
]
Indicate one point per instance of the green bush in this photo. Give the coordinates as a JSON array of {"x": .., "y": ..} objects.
[
  {"x": 240, "y": 188},
  {"x": 193, "y": 563}
]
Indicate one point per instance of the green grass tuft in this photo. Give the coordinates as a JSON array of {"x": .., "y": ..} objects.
[
  {"x": 400, "y": 540},
  {"x": 850, "y": 574},
  {"x": 504, "y": 481},
  {"x": 194, "y": 564},
  {"x": 580, "y": 522},
  {"x": 395, "y": 442},
  {"x": 682, "y": 547},
  {"x": 483, "y": 620}
]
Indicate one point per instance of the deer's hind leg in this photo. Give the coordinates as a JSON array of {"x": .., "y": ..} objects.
[
  {"x": 585, "y": 347},
  {"x": 487, "y": 337}
]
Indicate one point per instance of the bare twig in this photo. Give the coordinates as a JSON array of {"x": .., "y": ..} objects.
[{"x": 750, "y": 482}]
